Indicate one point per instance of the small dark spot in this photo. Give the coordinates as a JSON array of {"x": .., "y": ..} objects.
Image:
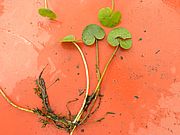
[
  {"x": 157, "y": 51},
  {"x": 78, "y": 73},
  {"x": 82, "y": 130},
  {"x": 146, "y": 126},
  {"x": 101, "y": 95},
  {"x": 142, "y": 55},
  {"x": 145, "y": 31},
  {"x": 4, "y": 43},
  {"x": 56, "y": 53},
  {"x": 136, "y": 97},
  {"x": 111, "y": 113},
  {"x": 77, "y": 66},
  {"x": 99, "y": 120},
  {"x": 121, "y": 57},
  {"x": 114, "y": 81},
  {"x": 140, "y": 39},
  {"x": 141, "y": 0},
  {"x": 120, "y": 114},
  {"x": 31, "y": 23}
]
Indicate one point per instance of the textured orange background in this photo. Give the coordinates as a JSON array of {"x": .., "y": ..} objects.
[{"x": 150, "y": 70}]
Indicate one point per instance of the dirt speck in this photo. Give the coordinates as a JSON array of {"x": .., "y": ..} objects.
[
  {"x": 157, "y": 51},
  {"x": 77, "y": 66},
  {"x": 82, "y": 130}
]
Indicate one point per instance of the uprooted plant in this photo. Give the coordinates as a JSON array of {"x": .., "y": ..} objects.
[{"x": 92, "y": 34}]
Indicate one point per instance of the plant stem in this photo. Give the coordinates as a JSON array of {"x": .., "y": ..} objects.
[
  {"x": 97, "y": 61},
  {"x": 105, "y": 69},
  {"x": 76, "y": 120},
  {"x": 45, "y": 4},
  {"x": 113, "y": 5},
  {"x": 14, "y": 105},
  {"x": 97, "y": 89},
  {"x": 98, "y": 77}
]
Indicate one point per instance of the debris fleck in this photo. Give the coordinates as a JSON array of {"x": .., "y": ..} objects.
[
  {"x": 136, "y": 97},
  {"x": 99, "y": 120},
  {"x": 110, "y": 113},
  {"x": 157, "y": 51}
]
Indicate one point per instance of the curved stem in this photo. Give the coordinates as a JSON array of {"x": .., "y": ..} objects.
[
  {"x": 45, "y": 4},
  {"x": 14, "y": 105},
  {"x": 97, "y": 89},
  {"x": 87, "y": 89}
]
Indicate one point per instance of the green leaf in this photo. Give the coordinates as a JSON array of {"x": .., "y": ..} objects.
[
  {"x": 69, "y": 39},
  {"x": 108, "y": 17},
  {"x": 126, "y": 44},
  {"x": 91, "y": 33},
  {"x": 120, "y": 36},
  {"x": 45, "y": 12}
]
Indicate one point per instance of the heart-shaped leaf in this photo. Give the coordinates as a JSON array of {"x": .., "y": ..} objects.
[
  {"x": 45, "y": 12},
  {"x": 69, "y": 39},
  {"x": 91, "y": 33},
  {"x": 120, "y": 36},
  {"x": 108, "y": 17}
]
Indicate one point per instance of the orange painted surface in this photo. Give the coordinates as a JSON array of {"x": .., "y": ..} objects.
[{"x": 150, "y": 70}]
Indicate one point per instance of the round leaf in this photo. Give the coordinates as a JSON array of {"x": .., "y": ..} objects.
[
  {"x": 120, "y": 36},
  {"x": 68, "y": 39},
  {"x": 108, "y": 17},
  {"x": 91, "y": 33},
  {"x": 45, "y": 12}
]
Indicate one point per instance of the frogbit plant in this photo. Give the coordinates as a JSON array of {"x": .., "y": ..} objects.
[
  {"x": 92, "y": 34},
  {"x": 46, "y": 12},
  {"x": 108, "y": 17},
  {"x": 119, "y": 37},
  {"x": 123, "y": 37}
]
